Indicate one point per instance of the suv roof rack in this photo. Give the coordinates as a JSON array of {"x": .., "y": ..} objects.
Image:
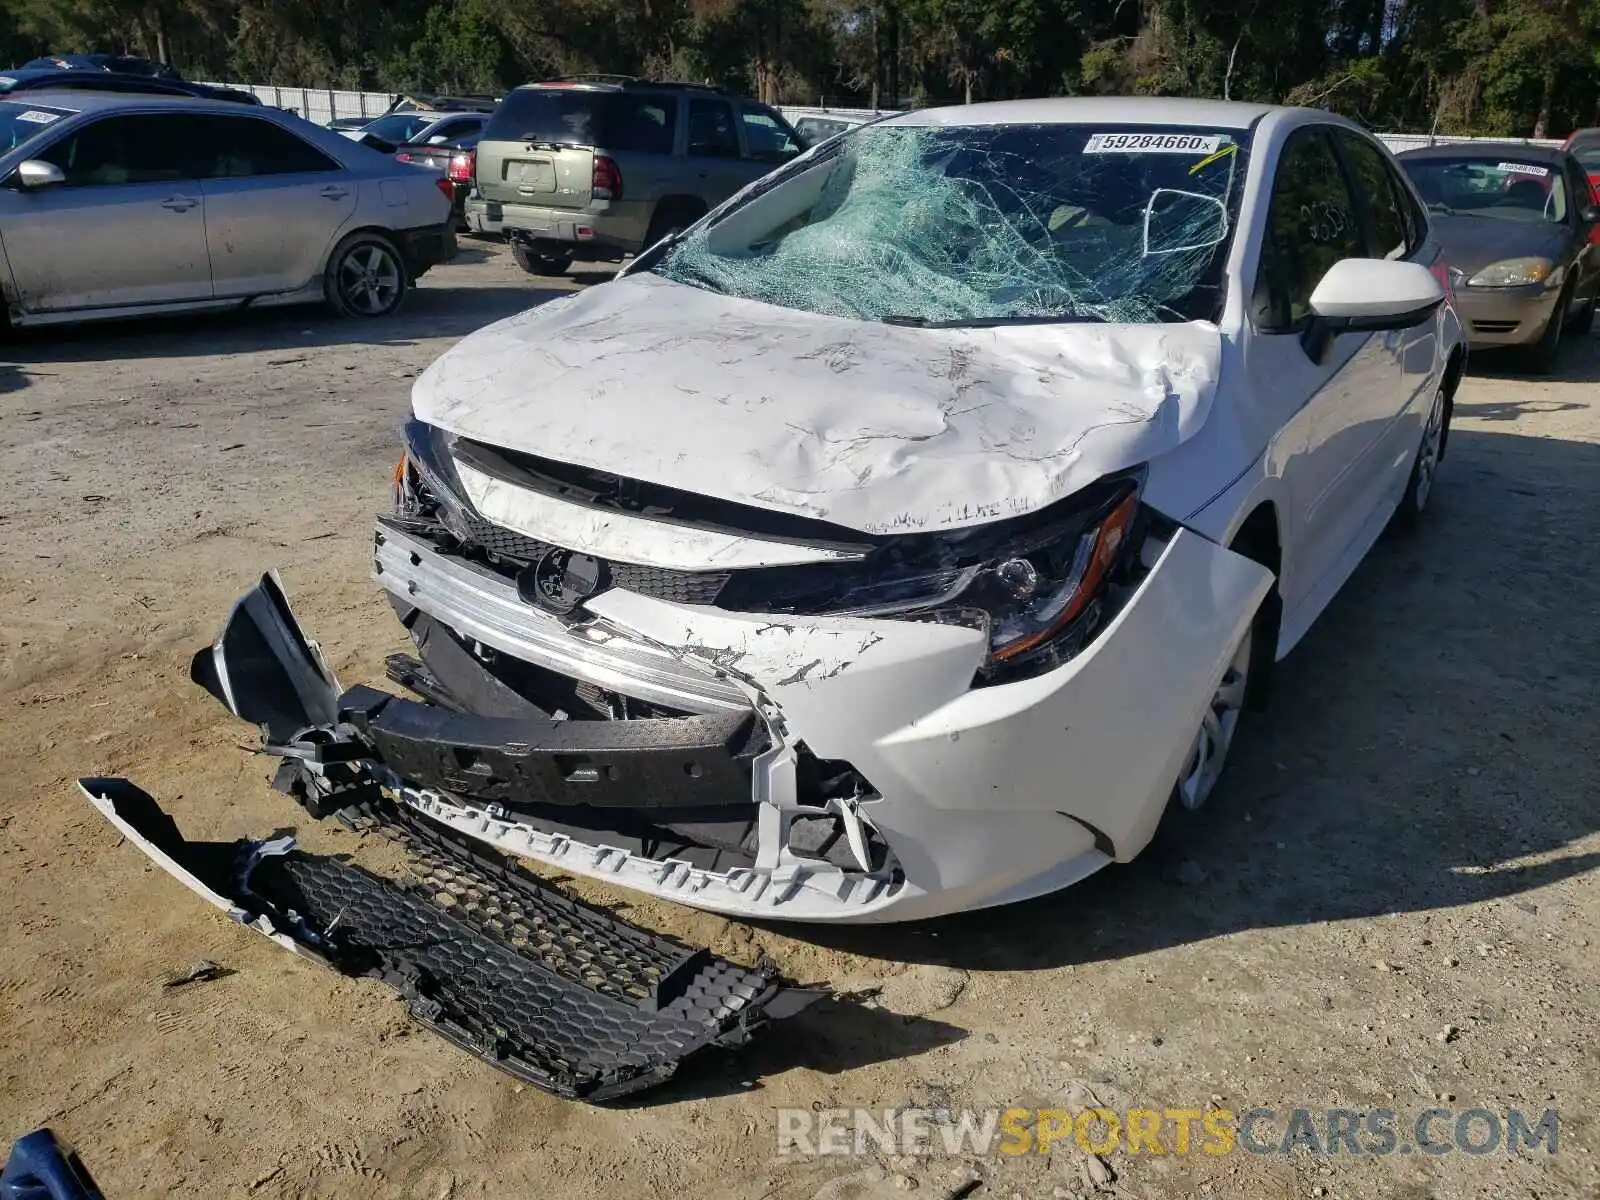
[
  {"x": 592, "y": 77},
  {"x": 626, "y": 81},
  {"x": 427, "y": 102}
]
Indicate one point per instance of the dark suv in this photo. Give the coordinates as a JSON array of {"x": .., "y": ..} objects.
[{"x": 595, "y": 168}]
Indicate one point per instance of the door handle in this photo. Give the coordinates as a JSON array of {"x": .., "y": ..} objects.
[
  {"x": 179, "y": 203},
  {"x": 334, "y": 192}
]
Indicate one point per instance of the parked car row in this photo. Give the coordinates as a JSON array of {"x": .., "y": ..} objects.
[
  {"x": 590, "y": 168},
  {"x": 115, "y": 205},
  {"x": 1518, "y": 225},
  {"x": 577, "y": 169}
]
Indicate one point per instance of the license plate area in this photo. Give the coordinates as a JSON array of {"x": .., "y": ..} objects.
[{"x": 532, "y": 174}]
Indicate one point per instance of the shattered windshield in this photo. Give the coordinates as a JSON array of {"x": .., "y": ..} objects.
[{"x": 983, "y": 224}]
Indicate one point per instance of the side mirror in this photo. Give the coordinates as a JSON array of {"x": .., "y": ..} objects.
[
  {"x": 1590, "y": 214},
  {"x": 36, "y": 173},
  {"x": 1369, "y": 295}
]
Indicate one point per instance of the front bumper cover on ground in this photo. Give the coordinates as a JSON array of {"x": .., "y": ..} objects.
[{"x": 559, "y": 995}]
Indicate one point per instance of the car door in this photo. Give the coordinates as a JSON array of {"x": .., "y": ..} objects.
[
  {"x": 715, "y": 157},
  {"x": 1587, "y": 234},
  {"x": 1324, "y": 444},
  {"x": 126, "y": 228},
  {"x": 274, "y": 204},
  {"x": 1392, "y": 228}
]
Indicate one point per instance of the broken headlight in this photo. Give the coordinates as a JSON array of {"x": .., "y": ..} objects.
[
  {"x": 425, "y": 480},
  {"x": 1040, "y": 587}
]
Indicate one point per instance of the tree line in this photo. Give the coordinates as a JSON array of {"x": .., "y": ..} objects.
[{"x": 1496, "y": 67}]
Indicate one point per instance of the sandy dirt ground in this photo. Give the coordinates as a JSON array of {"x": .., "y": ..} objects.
[{"x": 1393, "y": 905}]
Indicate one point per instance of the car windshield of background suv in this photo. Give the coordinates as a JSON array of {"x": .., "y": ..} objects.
[
  {"x": 983, "y": 224},
  {"x": 1490, "y": 187}
]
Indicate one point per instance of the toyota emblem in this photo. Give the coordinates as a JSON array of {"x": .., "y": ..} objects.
[{"x": 560, "y": 580}]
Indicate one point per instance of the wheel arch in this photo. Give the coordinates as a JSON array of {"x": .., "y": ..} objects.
[
  {"x": 681, "y": 206},
  {"x": 1259, "y": 538},
  {"x": 1453, "y": 371},
  {"x": 387, "y": 234}
]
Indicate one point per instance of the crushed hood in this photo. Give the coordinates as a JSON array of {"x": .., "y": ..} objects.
[{"x": 879, "y": 428}]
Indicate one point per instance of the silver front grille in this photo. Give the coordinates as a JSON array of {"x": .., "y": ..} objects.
[{"x": 479, "y": 604}]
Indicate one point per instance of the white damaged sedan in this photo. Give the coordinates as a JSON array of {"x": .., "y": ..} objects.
[{"x": 907, "y": 535}]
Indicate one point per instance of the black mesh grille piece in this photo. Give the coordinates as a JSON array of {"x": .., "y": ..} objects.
[
  {"x": 661, "y": 583},
  {"x": 563, "y": 996}
]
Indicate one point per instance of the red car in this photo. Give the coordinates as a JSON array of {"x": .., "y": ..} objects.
[{"x": 1584, "y": 145}]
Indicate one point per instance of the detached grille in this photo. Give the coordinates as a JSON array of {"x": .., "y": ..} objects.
[{"x": 660, "y": 583}]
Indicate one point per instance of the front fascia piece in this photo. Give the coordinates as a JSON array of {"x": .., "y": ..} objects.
[{"x": 561, "y": 996}]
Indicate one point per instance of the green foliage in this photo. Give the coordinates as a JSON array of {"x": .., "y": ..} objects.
[{"x": 1514, "y": 67}]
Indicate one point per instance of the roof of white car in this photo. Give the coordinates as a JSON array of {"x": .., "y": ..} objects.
[{"x": 1109, "y": 110}]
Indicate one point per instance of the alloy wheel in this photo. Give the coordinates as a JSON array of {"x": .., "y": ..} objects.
[
  {"x": 1209, "y": 754},
  {"x": 1428, "y": 452},
  {"x": 370, "y": 279}
]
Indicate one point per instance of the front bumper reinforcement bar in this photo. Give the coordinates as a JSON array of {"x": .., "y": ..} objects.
[{"x": 567, "y": 998}]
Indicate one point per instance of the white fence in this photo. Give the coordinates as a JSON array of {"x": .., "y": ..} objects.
[
  {"x": 323, "y": 105},
  {"x": 319, "y": 105}
]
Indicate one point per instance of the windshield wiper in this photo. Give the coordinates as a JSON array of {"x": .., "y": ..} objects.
[
  {"x": 1440, "y": 207},
  {"x": 915, "y": 322}
]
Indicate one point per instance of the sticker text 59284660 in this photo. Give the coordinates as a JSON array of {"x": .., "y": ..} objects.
[{"x": 1152, "y": 143}]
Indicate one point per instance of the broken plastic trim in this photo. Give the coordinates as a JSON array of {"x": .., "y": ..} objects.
[
  {"x": 559, "y": 995},
  {"x": 264, "y": 669}
]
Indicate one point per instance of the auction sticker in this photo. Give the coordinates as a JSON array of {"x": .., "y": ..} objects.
[
  {"x": 37, "y": 117},
  {"x": 1152, "y": 143},
  {"x": 1522, "y": 169}
]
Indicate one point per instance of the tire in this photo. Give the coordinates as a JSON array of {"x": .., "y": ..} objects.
[
  {"x": 540, "y": 264},
  {"x": 366, "y": 277},
  {"x": 1425, "y": 467},
  {"x": 1542, "y": 354},
  {"x": 1584, "y": 321}
]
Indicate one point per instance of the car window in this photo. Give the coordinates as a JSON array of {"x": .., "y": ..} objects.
[
  {"x": 1587, "y": 151},
  {"x": 22, "y": 122},
  {"x": 241, "y": 147},
  {"x": 1384, "y": 203},
  {"x": 1496, "y": 187},
  {"x": 816, "y": 129},
  {"x": 768, "y": 140},
  {"x": 399, "y": 127},
  {"x": 711, "y": 133},
  {"x": 641, "y": 124},
  {"x": 1311, "y": 224},
  {"x": 135, "y": 148},
  {"x": 455, "y": 127}
]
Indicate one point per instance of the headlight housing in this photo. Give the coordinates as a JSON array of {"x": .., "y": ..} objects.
[
  {"x": 1517, "y": 272},
  {"x": 1039, "y": 587},
  {"x": 425, "y": 479}
]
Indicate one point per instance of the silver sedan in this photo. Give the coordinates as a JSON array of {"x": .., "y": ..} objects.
[{"x": 116, "y": 206}]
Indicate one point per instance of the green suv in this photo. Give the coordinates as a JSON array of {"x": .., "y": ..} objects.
[{"x": 595, "y": 168}]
